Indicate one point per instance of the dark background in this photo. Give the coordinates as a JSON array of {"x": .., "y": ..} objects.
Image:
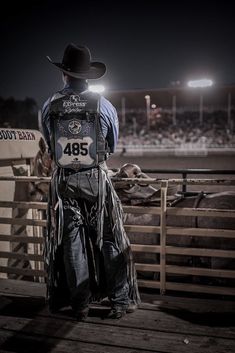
[{"x": 145, "y": 44}]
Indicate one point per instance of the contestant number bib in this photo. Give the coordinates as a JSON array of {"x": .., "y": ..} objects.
[{"x": 74, "y": 151}]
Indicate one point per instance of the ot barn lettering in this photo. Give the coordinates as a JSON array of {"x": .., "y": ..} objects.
[{"x": 17, "y": 135}]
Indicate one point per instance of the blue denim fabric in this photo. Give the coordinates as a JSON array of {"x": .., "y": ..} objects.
[
  {"x": 75, "y": 254},
  {"x": 116, "y": 274},
  {"x": 115, "y": 269},
  {"x": 75, "y": 261}
]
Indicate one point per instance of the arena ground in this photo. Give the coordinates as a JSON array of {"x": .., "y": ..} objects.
[{"x": 223, "y": 162}]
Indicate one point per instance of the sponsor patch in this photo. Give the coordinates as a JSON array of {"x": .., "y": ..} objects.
[
  {"x": 74, "y": 104},
  {"x": 74, "y": 127}
]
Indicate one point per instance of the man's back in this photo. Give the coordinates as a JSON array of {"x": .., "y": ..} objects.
[{"x": 108, "y": 117}]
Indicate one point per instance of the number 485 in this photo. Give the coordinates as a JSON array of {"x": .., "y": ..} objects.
[{"x": 76, "y": 149}]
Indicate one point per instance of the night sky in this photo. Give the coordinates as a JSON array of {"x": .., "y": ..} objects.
[{"x": 145, "y": 44}]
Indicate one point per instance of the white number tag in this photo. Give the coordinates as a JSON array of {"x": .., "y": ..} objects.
[{"x": 75, "y": 150}]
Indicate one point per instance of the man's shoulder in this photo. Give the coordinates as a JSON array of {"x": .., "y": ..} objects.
[
  {"x": 105, "y": 101},
  {"x": 46, "y": 105},
  {"x": 106, "y": 105},
  {"x": 53, "y": 97}
]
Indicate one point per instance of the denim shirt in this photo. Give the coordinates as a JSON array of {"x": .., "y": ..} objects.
[{"x": 108, "y": 118}]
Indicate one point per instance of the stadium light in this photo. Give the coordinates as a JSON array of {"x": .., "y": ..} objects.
[
  {"x": 204, "y": 82},
  {"x": 96, "y": 88}
]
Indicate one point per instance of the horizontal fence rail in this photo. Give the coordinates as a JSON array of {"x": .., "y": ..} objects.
[
  {"x": 126, "y": 181},
  {"x": 161, "y": 250}
]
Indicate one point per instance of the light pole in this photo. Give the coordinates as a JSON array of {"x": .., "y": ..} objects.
[
  {"x": 202, "y": 83},
  {"x": 174, "y": 109},
  {"x": 123, "y": 101},
  {"x": 134, "y": 127},
  {"x": 147, "y": 99},
  {"x": 201, "y": 108},
  {"x": 229, "y": 110}
]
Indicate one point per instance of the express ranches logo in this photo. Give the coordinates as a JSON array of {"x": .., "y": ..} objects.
[
  {"x": 74, "y": 104},
  {"x": 75, "y": 99}
]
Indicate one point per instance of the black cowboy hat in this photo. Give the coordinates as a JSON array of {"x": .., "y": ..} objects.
[{"x": 77, "y": 63}]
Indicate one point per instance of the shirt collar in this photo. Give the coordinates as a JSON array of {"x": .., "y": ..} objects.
[{"x": 77, "y": 85}]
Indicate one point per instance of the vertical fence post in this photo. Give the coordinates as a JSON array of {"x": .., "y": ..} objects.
[
  {"x": 37, "y": 248},
  {"x": 184, "y": 186},
  {"x": 164, "y": 185}
]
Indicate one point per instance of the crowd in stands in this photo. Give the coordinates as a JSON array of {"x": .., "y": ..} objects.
[
  {"x": 162, "y": 130},
  {"x": 214, "y": 131}
]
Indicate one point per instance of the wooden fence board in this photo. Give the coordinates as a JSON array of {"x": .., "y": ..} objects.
[
  {"x": 23, "y": 271},
  {"x": 21, "y": 239},
  {"x": 200, "y": 252},
  {"x": 24, "y": 204},
  {"x": 184, "y": 251},
  {"x": 210, "y": 272},
  {"x": 202, "y": 212},
  {"x": 147, "y": 267},
  {"x": 146, "y": 248},
  {"x": 142, "y": 229},
  {"x": 201, "y": 232},
  {"x": 187, "y": 287},
  {"x": 20, "y": 256},
  {"x": 142, "y": 209},
  {"x": 23, "y": 221},
  {"x": 194, "y": 288}
]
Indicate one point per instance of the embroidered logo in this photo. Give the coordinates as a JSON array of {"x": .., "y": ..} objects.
[
  {"x": 74, "y": 104},
  {"x": 74, "y": 127}
]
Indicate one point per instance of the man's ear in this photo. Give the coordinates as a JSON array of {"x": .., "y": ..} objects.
[{"x": 64, "y": 78}]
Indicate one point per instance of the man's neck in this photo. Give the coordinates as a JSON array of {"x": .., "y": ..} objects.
[{"x": 80, "y": 85}]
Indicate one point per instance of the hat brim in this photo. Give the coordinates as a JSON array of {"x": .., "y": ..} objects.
[{"x": 95, "y": 71}]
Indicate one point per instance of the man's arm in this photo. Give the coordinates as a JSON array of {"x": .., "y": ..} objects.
[
  {"x": 44, "y": 125},
  {"x": 109, "y": 123}
]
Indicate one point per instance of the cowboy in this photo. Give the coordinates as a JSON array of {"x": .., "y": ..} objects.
[{"x": 87, "y": 252}]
